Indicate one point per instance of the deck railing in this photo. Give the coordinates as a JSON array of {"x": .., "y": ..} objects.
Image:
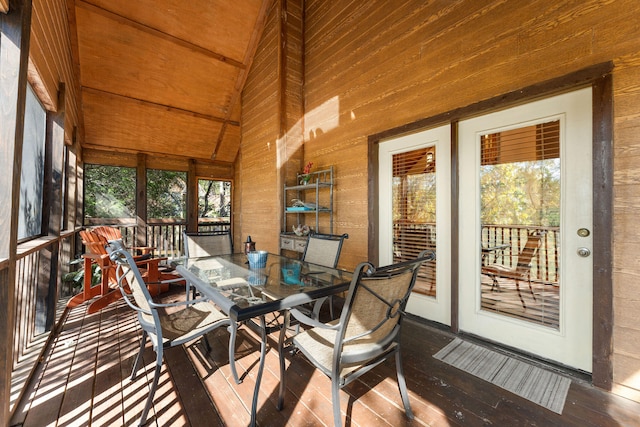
[
  {"x": 544, "y": 265},
  {"x": 164, "y": 235},
  {"x": 37, "y": 304},
  {"x": 411, "y": 238}
]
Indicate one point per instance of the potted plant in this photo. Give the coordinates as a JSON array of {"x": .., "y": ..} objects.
[{"x": 75, "y": 279}]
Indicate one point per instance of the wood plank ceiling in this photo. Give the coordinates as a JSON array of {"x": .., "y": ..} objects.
[{"x": 165, "y": 76}]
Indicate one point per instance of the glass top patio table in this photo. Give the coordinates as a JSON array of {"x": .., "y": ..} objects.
[{"x": 244, "y": 293}]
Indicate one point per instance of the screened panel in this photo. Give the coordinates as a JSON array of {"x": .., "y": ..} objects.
[
  {"x": 166, "y": 194},
  {"x": 214, "y": 205},
  {"x": 32, "y": 175},
  {"x": 110, "y": 192}
]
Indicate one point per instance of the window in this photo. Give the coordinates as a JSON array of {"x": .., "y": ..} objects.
[
  {"x": 414, "y": 210},
  {"x": 214, "y": 205},
  {"x": 166, "y": 194},
  {"x": 110, "y": 192},
  {"x": 32, "y": 176},
  {"x": 520, "y": 176}
]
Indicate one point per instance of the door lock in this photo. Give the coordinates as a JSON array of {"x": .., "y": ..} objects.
[
  {"x": 584, "y": 252},
  {"x": 583, "y": 232}
]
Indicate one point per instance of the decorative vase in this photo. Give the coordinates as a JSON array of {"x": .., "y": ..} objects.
[{"x": 304, "y": 179}]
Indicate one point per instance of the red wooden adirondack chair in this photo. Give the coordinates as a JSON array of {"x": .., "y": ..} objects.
[{"x": 95, "y": 241}]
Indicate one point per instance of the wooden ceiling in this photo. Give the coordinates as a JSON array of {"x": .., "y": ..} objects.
[{"x": 165, "y": 76}]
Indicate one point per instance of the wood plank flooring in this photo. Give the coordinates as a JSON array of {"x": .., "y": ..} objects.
[{"x": 84, "y": 381}]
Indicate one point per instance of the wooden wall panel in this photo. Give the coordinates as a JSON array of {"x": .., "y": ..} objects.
[
  {"x": 51, "y": 61},
  {"x": 258, "y": 174},
  {"x": 202, "y": 168},
  {"x": 626, "y": 264}
]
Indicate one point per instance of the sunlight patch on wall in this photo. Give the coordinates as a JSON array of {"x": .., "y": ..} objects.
[{"x": 316, "y": 122}]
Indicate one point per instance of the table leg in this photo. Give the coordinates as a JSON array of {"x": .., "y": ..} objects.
[
  {"x": 281, "y": 339},
  {"x": 263, "y": 351}
]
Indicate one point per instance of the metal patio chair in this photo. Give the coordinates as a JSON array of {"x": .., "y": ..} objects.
[
  {"x": 184, "y": 321},
  {"x": 367, "y": 333},
  {"x": 324, "y": 250},
  {"x": 207, "y": 244}
]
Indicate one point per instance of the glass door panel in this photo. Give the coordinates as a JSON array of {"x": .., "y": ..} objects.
[
  {"x": 414, "y": 211},
  {"x": 414, "y": 205},
  {"x": 520, "y": 219}
]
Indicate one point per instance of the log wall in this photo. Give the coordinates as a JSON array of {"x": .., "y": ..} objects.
[{"x": 378, "y": 65}]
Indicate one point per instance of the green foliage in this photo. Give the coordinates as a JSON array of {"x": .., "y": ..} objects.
[
  {"x": 77, "y": 277},
  {"x": 214, "y": 199},
  {"x": 415, "y": 198},
  {"x": 166, "y": 194},
  {"x": 110, "y": 191},
  {"x": 522, "y": 193}
]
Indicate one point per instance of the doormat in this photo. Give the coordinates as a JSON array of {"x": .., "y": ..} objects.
[{"x": 535, "y": 384}]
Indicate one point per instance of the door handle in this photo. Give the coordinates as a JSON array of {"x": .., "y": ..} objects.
[{"x": 584, "y": 252}]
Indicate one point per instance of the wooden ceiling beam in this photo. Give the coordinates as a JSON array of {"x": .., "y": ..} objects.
[
  {"x": 156, "y": 33},
  {"x": 244, "y": 73}
]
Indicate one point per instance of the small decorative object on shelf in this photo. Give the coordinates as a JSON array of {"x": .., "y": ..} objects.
[
  {"x": 298, "y": 205},
  {"x": 305, "y": 177},
  {"x": 301, "y": 229}
]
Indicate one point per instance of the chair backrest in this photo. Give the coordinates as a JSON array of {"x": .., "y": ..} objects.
[
  {"x": 129, "y": 277},
  {"x": 324, "y": 249},
  {"x": 529, "y": 250},
  {"x": 93, "y": 242},
  {"x": 109, "y": 233},
  {"x": 207, "y": 244},
  {"x": 373, "y": 309}
]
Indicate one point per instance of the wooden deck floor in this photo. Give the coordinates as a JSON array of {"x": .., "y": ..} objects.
[{"x": 84, "y": 381}]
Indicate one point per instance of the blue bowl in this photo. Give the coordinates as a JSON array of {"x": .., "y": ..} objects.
[{"x": 291, "y": 274}]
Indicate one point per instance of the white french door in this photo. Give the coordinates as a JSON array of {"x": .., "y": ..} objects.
[
  {"x": 414, "y": 210},
  {"x": 525, "y": 211}
]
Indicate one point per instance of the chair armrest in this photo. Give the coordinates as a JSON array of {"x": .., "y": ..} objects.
[
  {"x": 303, "y": 318},
  {"x": 177, "y": 279},
  {"x": 178, "y": 303},
  {"x": 144, "y": 250}
]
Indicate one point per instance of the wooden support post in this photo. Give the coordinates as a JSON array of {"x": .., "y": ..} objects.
[
  {"x": 141, "y": 201},
  {"x": 15, "y": 31},
  {"x": 192, "y": 198}
]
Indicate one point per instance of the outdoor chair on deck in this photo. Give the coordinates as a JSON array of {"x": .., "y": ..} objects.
[
  {"x": 95, "y": 243},
  {"x": 197, "y": 245},
  {"x": 207, "y": 244},
  {"x": 367, "y": 333},
  {"x": 324, "y": 250},
  {"x": 166, "y": 325},
  {"x": 211, "y": 244},
  {"x": 522, "y": 270},
  {"x": 114, "y": 233}
]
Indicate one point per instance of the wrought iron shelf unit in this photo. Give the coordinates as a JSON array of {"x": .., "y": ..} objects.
[{"x": 319, "y": 188}]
